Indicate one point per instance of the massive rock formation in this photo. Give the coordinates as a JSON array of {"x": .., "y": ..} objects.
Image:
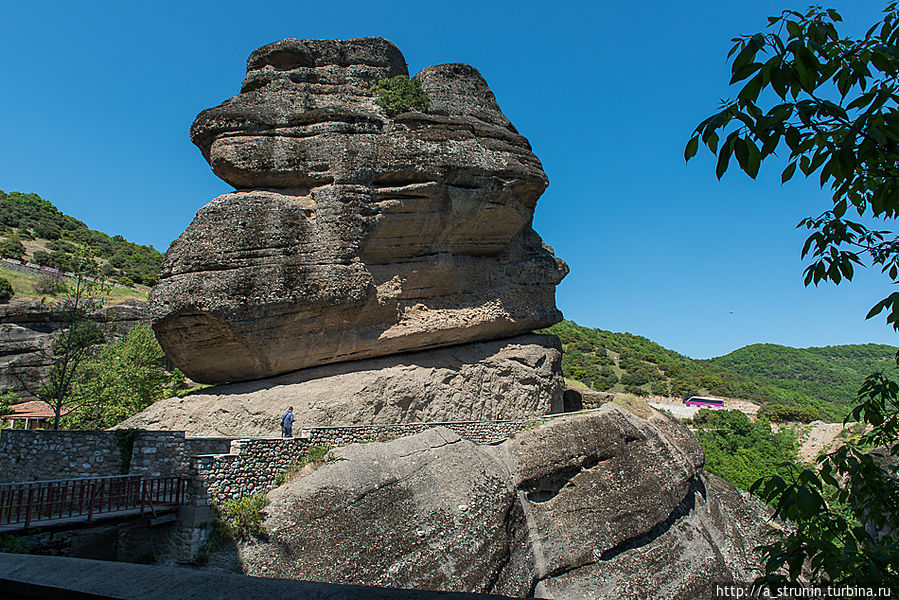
[
  {"x": 505, "y": 379},
  {"x": 27, "y": 329},
  {"x": 596, "y": 505},
  {"x": 353, "y": 234}
]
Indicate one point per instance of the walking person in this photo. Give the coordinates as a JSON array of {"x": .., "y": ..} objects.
[{"x": 287, "y": 423}]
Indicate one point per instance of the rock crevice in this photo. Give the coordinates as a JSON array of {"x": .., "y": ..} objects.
[{"x": 640, "y": 521}]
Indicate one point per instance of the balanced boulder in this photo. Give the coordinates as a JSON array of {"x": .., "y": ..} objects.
[{"x": 353, "y": 234}]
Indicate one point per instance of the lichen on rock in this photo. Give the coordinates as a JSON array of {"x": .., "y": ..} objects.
[{"x": 353, "y": 234}]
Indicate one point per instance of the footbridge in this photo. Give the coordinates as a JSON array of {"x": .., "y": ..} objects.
[{"x": 69, "y": 501}]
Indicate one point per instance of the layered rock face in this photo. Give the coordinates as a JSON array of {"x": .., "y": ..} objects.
[
  {"x": 515, "y": 378},
  {"x": 352, "y": 234},
  {"x": 27, "y": 330},
  {"x": 597, "y": 505}
]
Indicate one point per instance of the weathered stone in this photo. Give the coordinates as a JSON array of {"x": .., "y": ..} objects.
[
  {"x": 600, "y": 505},
  {"x": 353, "y": 234},
  {"x": 28, "y": 328},
  {"x": 504, "y": 379}
]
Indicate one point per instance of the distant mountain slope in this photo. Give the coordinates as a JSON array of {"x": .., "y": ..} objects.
[
  {"x": 831, "y": 373},
  {"x": 821, "y": 381},
  {"x": 50, "y": 238}
]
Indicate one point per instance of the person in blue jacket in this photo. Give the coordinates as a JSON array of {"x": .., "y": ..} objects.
[{"x": 287, "y": 423}]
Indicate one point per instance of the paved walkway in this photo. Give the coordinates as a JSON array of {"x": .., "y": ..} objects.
[{"x": 25, "y": 576}]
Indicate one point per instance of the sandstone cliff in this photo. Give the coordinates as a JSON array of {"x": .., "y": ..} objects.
[
  {"x": 597, "y": 505},
  {"x": 353, "y": 234},
  {"x": 28, "y": 328},
  {"x": 505, "y": 379}
]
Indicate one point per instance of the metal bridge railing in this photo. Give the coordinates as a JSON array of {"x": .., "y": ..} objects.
[{"x": 27, "y": 503}]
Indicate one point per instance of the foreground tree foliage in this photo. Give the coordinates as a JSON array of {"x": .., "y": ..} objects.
[
  {"x": 830, "y": 104},
  {"x": 119, "y": 380}
]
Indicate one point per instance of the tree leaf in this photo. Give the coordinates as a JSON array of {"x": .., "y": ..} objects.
[
  {"x": 691, "y": 149},
  {"x": 788, "y": 172}
]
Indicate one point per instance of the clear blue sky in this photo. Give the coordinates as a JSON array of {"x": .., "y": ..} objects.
[{"x": 98, "y": 98}]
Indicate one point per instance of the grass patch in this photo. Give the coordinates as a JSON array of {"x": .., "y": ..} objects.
[
  {"x": 574, "y": 384},
  {"x": 633, "y": 404},
  {"x": 191, "y": 390},
  {"x": 315, "y": 456},
  {"x": 23, "y": 286}
]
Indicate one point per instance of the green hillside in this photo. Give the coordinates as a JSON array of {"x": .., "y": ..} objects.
[
  {"x": 31, "y": 228},
  {"x": 832, "y": 373},
  {"x": 790, "y": 383}
]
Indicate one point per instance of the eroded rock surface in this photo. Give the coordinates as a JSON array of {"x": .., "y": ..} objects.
[
  {"x": 27, "y": 329},
  {"x": 596, "y": 505},
  {"x": 504, "y": 379},
  {"x": 353, "y": 234}
]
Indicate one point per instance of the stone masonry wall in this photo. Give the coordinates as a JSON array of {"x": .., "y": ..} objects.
[
  {"x": 37, "y": 455},
  {"x": 219, "y": 468},
  {"x": 44, "y": 454},
  {"x": 253, "y": 464}
]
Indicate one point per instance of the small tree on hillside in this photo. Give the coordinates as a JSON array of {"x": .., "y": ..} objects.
[
  {"x": 6, "y": 290},
  {"x": 80, "y": 333}
]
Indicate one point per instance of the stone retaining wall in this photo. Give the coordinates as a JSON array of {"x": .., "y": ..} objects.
[
  {"x": 252, "y": 465},
  {"x": 44, "y": 454},
  {"x": 219, "y": 468},
  {"x": 36, "y": 455}
]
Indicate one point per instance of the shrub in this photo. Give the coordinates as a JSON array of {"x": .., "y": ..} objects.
[
  {"x": 12, "y": 247},
  {"x": 6, "y": 291},
  {"x": 47, "y": 232},
  {"x": 400, "y": 94},
  {"x": 61, "y": 246},
  {"x": 241, "y": 518},
  {"x": 126, "y": 281},
  {"x": 13, "y": 545},
  {"x": 659, "y": 388},
  {"x": 42, "y": 257},
  {"x": 316, "y": 456},
  {"x": 781, "y": 413},
  {"x": 178, "y": 380},
  {"x": 52, "y": 284}
]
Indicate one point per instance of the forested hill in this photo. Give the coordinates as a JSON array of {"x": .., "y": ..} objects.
[
  {"x": 791, "y": 383},
  {"x": 31, "y": 228},
  {"x": 832, "y": 373}
]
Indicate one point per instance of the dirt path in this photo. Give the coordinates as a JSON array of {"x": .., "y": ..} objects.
[{"x": 817, "y": 437}]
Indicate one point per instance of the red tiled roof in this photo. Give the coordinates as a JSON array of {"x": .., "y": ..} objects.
[{"x": 34, "y": 409}]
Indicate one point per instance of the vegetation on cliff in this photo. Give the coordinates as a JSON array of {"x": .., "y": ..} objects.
[
  {"x": 400, "y": 94},
  {"x": 33, "y": 229}
]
